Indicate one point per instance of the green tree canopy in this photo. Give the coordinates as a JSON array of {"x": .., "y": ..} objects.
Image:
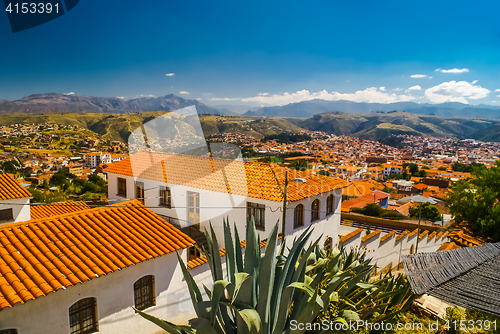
[
  {"x": 429, "y": 211},
  {"x": 476, "y": 201}
]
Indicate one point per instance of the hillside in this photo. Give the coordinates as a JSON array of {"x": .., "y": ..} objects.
[
  {"x": 489, "y": 134},
  {"x": 55, "y": 102},
  {"x": 314, "y": 107},
  {"x": 119, "y": 126},
  {"x": 374, "y": 126}
]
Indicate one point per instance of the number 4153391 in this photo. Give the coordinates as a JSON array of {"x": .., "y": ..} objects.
[{"x": 32, "y": 8}]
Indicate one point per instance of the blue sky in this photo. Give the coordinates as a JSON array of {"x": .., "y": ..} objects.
[{"x": 261, "y": 52}]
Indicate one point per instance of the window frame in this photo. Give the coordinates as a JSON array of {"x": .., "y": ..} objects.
[
  {"x": 315, "y": 216},
  {"x": 81, "y": 308},
  {"x": 148, "y": 299},
  {"x": 9, "y": 215},
  {"x": 258, "y": 212},
  {"x": 139, "y": 190},
  {"x": 123, "y": 181},
  {"x": 168, "y": 202},
  {"x": 330, "y": 200},
  {"x": 298, "y": 212}
]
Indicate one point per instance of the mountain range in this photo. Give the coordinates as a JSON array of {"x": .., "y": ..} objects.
[
  {"x": 314, "y": 107},
  {"x": 71, "y": 103}
]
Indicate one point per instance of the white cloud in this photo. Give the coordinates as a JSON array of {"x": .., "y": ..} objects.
[
  {"x": 70, "y": 93},
  {"x": 146, "y": 95},
  {"x": 453, "y": 91},
  {"x": 453, "y": 70},
  {"x": 169, "y": 74},
  {"x": 474, "y": 82},
  {"x": 224, "y": 99},
  {"x": 183, "y": 92},
  {"x": 416, "y": 87},
  {"x": 382, "y": 89},
  {"x": 120, "y": 97},
  {"x": 418, "y": 76},
  {"x": 371, "y": 95},
  {"x": 263, "y": 94},
  {"x": 397, "y": 89},
  {"x": 430, "y": 77},
  {"x": 497, "y": 90}
]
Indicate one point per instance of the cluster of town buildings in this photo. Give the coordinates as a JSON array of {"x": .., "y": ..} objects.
[{"x": 85, "y": 265}]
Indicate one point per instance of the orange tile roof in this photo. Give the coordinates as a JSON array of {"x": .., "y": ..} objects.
[
  {"x": 412, "y": 233},
  {"x": 11, "y": 189},
  {"x": 433, "y": 234},
  {"x": 350, "y": 235},
  {"x": 448, "y": 246},
  {"x": 402, "y": 235},
  {"x": 49, "y": 254},
  {"x": 371, "y": 235},
  {"x": 55, "y": 209},
  {"x": 359, "y": 202},
  {"x": 423, "y": 234},
  {"x": 224, "y": 175},
  {"x": 388, "y": 235}
]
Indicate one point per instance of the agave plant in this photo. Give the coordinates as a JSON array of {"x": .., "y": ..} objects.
[
  {"x": 356, "y": 295},
  {"x": 263, "y": 293}
]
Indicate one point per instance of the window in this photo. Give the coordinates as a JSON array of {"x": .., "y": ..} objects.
[
  {"x": 329, "y": 204},
  {"x": 144, "y": 294},
  {"x": 194, "y": 253},
  {"x": 315, "y": 210},
  {"x": 6, "y": 215},
  {"x": 8, "y": 331},
  {"x": 193, "y": 208},
  {"x": 412, "y": 249},
  {"x": 165, "y": 197},
  {"x": 122, "y": 187},
  {"x": 139, "y": 191},
  {"x": 83, "y": 316},
  {"x": 298, "y": 216},
  {"x": 257, "y": 212}
]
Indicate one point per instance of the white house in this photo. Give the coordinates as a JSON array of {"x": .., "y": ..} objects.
[
  {"x": 82, "y": 272},
  {"x": 196, "y": 190},
  {"x": 14, "y": 200},
  {"x": 391, "y": 169}
]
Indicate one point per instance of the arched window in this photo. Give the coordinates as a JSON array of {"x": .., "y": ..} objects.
[
  {"x": 298, "y": 216},
  {"x": 412, "y": 249},
  {"x": 315, "y": 210},
  {"x": 144, "y": 294},
  {"x": 83, "y": 316},
  {"x": 329, "y": 204}
]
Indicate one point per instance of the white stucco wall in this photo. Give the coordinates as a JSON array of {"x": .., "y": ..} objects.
[{"x": 20, "y": 209}]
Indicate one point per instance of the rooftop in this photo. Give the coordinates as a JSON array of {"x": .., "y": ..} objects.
[
  {"x": 45, "y": 255},
  {"x": 11, "y": 189}
]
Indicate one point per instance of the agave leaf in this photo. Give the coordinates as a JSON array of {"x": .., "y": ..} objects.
[
  {"x": 168, "y": 326},
  {"x": 247, "y": 318},
  {"x": 308, "y": 313},
  {"x": 216, "y": 256},
  {"x": 202, "y": 326},
  {"x": 349, "y": 315},
  {"x": 194, "y": 291},
  {"x": 243, "y": 288},
  {"x": 266, "y": 280},
  {"x": 237, "y": 251},
  {"x": 217, "y": 292},
  {"x": 230, "y": 255}
]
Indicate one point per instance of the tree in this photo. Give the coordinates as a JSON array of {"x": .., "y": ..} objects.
[
  {"x": 413, "y": 168},
  {"x": 9, "y": 166},
  {"x": 299, "y": 164},
  {"x": 442, "y": 168},
  {"x": 426, "y": 211},
  {"x": 476, "y": 201}
]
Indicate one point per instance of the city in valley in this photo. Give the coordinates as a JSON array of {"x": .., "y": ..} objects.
[{"x": 246, "y": 167}]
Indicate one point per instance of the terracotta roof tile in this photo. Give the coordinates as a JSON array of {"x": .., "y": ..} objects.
[
  {"x": 371, "y": 235},
  {"x": 11, "y": 189},
  {"x": 388, "y": 235},
  {"x": 52, "y": 253},
  {"x": 56, "y": 209},
  {"x": 350, "y": 235},
  {"x": 253, "y": 179},
  {"x": 433, "y": 234},
  {"x": 423, "y": 234},
  {"x": 412, "y": 233}
]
